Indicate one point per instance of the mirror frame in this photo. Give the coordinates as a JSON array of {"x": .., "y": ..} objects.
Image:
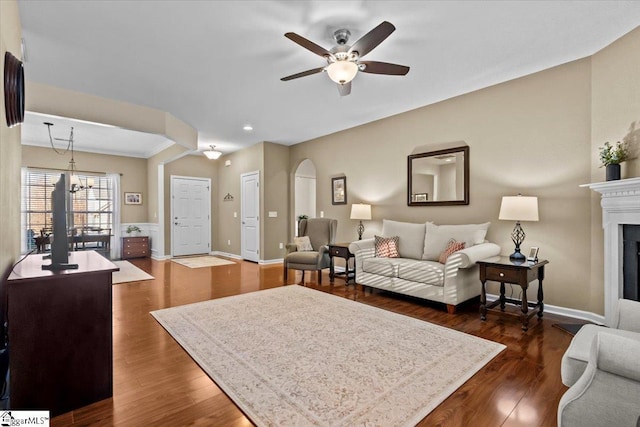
[{"x": 410, "y": 158}]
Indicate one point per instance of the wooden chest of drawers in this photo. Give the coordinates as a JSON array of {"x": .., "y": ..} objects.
[{"x": 135, "y": 247}]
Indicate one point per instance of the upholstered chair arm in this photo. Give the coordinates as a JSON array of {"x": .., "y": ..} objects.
[
  {"x": 627, "y": 315},
  {"x": 467, "y": 257},
  {"x": 291, "y": 247},
  {"x": 364, "y": 246},
  {"x": 362, "y": 249},
  {"x": 461, "y": 272},
  {"x": 617, "y": 355},
  {"x": 607, "y": 392}
]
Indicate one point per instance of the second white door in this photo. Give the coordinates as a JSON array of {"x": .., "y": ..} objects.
[{"x": 250, "y": 206}]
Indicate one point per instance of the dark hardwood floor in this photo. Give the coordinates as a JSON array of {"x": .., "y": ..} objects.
[{"x": 157, "y": 383}]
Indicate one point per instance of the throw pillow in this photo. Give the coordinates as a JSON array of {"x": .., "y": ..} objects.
[
  {"x": 451, "y": 248},
  {"x": 303, "y": 243},
  {"x": 437, "y": 237},
  {"x": 386, "y": 247}
]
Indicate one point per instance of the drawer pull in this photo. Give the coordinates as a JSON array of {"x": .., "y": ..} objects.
[{"x": 501, "y": 274}]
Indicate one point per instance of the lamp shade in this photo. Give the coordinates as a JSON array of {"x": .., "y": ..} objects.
[
  {"x": 213, "y": 154},
  {"x": 519, "y": 208},
  {"x": 360, "y": 211},
  {"x": 342, "y": 72}
]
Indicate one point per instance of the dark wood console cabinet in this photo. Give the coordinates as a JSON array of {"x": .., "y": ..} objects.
[
  {"x": 135, "y": 247},
  {"x": 60, "y": 333}
]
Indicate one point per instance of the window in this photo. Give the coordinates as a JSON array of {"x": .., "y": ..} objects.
[{"x": 88, "y": 208}]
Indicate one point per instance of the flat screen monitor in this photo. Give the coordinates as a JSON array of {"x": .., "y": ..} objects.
[{"x": 58, "y": 239}]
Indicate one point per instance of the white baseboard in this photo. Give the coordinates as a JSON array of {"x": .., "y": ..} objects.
[
  {"x": 563, "y": 311},
  {"x": 271, "y": 261},
  {"x": 160, "y": 258},
  {"x": 226, "y": 255},
  {"x": 238, "y": 257}
]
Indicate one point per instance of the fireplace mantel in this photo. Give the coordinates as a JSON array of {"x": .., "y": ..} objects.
[{"x": 620, "y": 205}]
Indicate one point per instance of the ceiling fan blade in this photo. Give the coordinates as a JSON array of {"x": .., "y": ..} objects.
[
  {"x": 375, "y": 67},
  {"x": 372, "y": 39},
  {"x": 302, "y": 74},
  {"x": 309, "y": 45},
  {"x": 344, "y": 89}
]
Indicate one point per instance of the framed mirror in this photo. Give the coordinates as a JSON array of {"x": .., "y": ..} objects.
[{"x": 439, "y": 177}]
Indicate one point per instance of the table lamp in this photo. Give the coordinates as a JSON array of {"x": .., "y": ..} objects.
[
  {"x": 360, "y": 211},
  {"x": 518, "y": 208}
]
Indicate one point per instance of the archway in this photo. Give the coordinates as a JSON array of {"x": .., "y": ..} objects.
[{"x": 304, "y": 192}]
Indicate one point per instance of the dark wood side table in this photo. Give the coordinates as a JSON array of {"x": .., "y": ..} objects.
[
  {"x": 135, "y": 247},
  {"x": 501, "y": 269},
  {"x": 341, "y": 250}
]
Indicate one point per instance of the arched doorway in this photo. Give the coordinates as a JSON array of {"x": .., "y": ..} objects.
[{"x": 305, "y": 192}]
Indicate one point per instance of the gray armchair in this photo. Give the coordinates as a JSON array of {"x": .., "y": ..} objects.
[
  {"x": 321, "y": 232},
  {"x": 626, "y": 323},
  {"x": 608, "y": 392}
]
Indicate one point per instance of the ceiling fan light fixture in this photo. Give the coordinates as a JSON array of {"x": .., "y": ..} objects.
[
  {"x": 213, "y": 154},
  {"x": 342, "y": 72}
]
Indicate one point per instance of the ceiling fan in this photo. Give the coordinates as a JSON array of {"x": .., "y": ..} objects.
[{"x": 343, "y": 61}]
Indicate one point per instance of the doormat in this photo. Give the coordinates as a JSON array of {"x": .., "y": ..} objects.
[
  {"x": 202, "y": 261},
  {"x": 129, "y": 273}
]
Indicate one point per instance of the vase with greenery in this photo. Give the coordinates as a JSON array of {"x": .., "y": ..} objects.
[
  {"x": 611, "y": 155},
  {"x": 133, "y": 229}
]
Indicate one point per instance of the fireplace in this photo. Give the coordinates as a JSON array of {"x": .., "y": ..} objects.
[
  {"x": 630, "y": 261},
  {"x": 620, "y": 211}
]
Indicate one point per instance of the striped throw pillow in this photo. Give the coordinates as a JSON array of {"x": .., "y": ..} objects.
[
  {"x": 387, "y": 247},
  {"x": 451, "y": 248}
]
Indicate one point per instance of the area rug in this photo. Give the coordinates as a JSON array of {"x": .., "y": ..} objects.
[
  {"x": 128, "y": 273},
  {"x": 201, "y": 261},
  {"x": 296, "y": 356}
]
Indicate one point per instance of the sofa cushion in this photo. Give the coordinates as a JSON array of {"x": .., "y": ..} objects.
[
  {"x": 302, "y": 257},
  {"x": 387, "y": 267},
  {"x": 452, "y": 247},
  {"x": 437, "y": 237},
  {"x": 428, "y": 272},
  {"x": 410, "y": 237},
  {"x": 386, "y": 247}
]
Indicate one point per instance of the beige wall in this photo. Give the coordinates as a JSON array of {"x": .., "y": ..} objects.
[
  {"x": 10, "y": 35},
  {"x": 615, "y": 107},
  {"x": 248, "y": 160},
  {"x": 275, "y": 199},
  {"x": 133, "y": 173},
  {"x": 153, "y": 178},
  {"x": 196, "y": 166},
  {"x": 529, "y": 136}
]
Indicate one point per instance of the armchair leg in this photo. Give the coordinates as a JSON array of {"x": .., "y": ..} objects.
[
  {"x": 319, "y": 277},
  {"x": 451, "y": 309},
  {"x": 286, "y": 274}
]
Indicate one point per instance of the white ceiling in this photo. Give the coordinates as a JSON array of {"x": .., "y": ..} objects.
[{"x": 217, "y": 64}]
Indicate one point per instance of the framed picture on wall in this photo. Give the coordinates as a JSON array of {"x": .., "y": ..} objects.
[
  {"x": 422, "y": 197},
  {"x": 339, "y": 190},
  {"x": 132, "y": 198}
]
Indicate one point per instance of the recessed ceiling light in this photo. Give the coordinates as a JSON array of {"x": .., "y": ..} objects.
[{"x": 247, "y": 128}]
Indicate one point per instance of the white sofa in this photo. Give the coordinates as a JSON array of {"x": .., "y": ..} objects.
[{"x": 417, "y": 271}]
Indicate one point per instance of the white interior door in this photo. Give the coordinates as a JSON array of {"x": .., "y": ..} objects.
[
  {"x": 250, "y": 207},
  {"x": 190, "y": 215}
]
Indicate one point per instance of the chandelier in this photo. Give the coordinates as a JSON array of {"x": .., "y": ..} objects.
[{"x": 75, "y": 184}]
